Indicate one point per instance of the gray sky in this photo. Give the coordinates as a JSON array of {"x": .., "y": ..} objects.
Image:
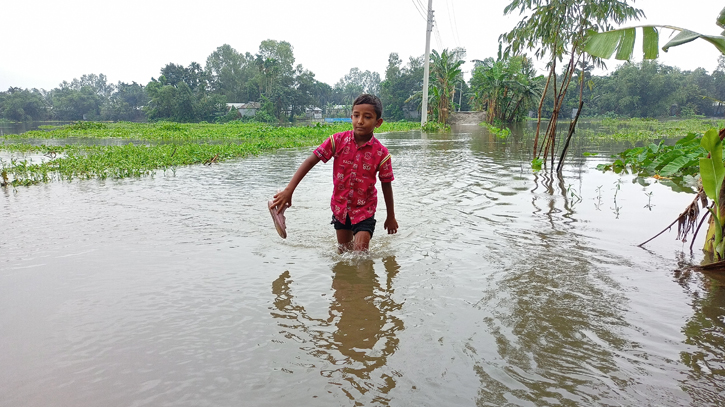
[{"x": 46, "y": 42}]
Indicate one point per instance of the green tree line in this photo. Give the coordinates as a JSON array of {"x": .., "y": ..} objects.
[
  {"x": 196, "y": 93},
  {"x": 508, "y": 88}
]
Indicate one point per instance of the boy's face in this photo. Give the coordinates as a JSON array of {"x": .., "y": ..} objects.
[{"x": 364, "y": 120}]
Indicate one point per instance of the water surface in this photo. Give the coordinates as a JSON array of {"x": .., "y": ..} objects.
[{"x": 502, "y": 287}]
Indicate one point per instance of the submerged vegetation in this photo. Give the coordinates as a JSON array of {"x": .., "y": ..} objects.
[{"x": 146, "y": 148}]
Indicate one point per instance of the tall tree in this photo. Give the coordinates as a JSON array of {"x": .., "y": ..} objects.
[
  {"x": 126, "y": 103},
  {"x": 231, "y": 74},
  {"x": 356, "y": 82},
  {"x": 275, "y": 62},
  {"x": 556, "y": 30},
  {"x": 23, "y": 105},
  {"x": 399, "y": 87},
  {"x": 183, "y": 96}
]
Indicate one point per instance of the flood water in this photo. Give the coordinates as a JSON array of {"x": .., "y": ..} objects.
[{"x": 502, "y": 287}]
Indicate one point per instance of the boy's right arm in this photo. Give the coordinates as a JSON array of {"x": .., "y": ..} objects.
[{"x": 283, "y": 199}]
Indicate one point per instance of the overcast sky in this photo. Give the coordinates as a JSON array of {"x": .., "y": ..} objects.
[{"x": 46, "y": 42}]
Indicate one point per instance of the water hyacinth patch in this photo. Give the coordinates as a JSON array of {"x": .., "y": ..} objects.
[{"x": 152, "y": 147}]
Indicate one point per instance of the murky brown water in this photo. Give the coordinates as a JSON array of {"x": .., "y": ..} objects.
[{"x": 502, "y": 287}]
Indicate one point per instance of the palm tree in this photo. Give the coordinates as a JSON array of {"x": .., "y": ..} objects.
[
  {"x": 505, "y": 87},
  {"x": 446, "y": 73}
]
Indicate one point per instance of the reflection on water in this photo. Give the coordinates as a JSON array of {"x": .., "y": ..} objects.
[
  {"x": 705, "y": 332},
  {"x": 502, "y": 287},
  {"x": 354, "y": 342}
]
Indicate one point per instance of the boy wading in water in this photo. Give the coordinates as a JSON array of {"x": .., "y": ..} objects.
[{"x": 358, "y": 156}]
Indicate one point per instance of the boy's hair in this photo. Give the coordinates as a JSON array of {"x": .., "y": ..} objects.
[{"x": 367, "y": 99}]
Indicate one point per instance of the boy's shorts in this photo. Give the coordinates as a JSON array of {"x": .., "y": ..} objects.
[{"x": 367, "y": 225}]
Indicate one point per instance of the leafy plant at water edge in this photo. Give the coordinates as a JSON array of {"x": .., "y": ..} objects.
[
  {"x": 501, "y": 133},
  {"x": 659, "y": 159},
  {"x": 537, "y": 163},
  {"x": 435, "y": 126},
  {"x": 712, "y": 172}
]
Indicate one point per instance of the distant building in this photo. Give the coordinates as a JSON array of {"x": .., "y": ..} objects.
[
  {"x": 313, "y": 112},
  {"x": 248, "y": 109}
]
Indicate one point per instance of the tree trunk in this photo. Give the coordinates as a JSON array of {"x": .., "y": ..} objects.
[
  {"x": 572, "y": 126},
  {"x": 541, "y": 104}
]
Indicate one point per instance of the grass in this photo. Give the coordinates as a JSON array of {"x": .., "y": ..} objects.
[{"x": 151, "y": 147}]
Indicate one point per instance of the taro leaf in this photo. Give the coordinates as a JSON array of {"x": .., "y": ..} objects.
[
  {"x": 665, "y": 159},
  {"x": 675, "y": 166},
  {"x": 687, "y": 139},
  {"x": 712, "y": 170}
]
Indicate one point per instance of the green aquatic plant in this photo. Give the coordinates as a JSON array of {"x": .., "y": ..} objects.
[
  {"x": 87, "y": 125},
  {"x": 537, "y": 163},
  {"x": 435, "y": 127},
  {"x": 645, "y": 129},
  {"x": 196, "y": 132},
  {"x": 154, "y": 146},
  {"x": 499, "y": 132}
]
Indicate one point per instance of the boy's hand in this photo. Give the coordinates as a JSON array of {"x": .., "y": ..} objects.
[
  {"x": 391, "y": 225},
  {"x": 282, "y": 200}
]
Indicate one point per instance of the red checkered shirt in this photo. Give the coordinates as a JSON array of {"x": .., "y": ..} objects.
[{"x": 353, "y": 174}]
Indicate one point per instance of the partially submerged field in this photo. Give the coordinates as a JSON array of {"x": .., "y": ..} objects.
[{"x": 137, "y": 149}]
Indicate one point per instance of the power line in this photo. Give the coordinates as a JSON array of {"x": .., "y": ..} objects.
[
  {"x": 439, "y": 41},
  {"x": 437, "y": 33},
  {"x": 417, "y": 8},
  {"x": 454, "y": 26}
]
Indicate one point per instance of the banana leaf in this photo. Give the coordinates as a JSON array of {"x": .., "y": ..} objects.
[
  {"x": 711, "y": 168},
  {"x": 604, "y": 44}
]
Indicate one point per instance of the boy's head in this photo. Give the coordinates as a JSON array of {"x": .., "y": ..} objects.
[{"x": 367, "y": 99}]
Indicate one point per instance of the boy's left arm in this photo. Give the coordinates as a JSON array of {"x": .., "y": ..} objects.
[{"x": 390, "y": 223}]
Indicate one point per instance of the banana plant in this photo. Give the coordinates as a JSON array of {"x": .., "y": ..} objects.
[
  {"x": 604, "y": 44},
  {"x": 712, "y": 173}
]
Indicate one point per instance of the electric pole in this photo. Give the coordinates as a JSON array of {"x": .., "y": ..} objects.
[{"x": 426, "y": 66}]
